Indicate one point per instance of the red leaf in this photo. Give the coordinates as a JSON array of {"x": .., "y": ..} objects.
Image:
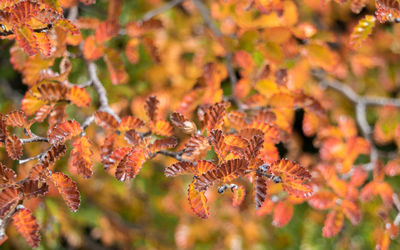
[
  {"x": 180, "y": 167},
  {"x": 322, "y": 200},
  {"x": 68, "y": 190},
  {"x": 26, "y": 225},
  {"x": 64, "y": 131},
  {"x": 79, "y": 96},
  {"x": 16, "y": 118},
  {"x": 14, "y": 147},
  {"x": 130, "y": 165},
  {"x": 129, "y": 123},
  {"x": 105, "y": 120},
  {"x": 9, "y": 198},
  {"x": 333, "y": 223},
  {"x": 226, "y": 172},
  {"x": 198, "y": 202},
  {"x": 352, "y": 211},
  {"x": 283, "y": 213},
  {"x": 81, "y": 157}
]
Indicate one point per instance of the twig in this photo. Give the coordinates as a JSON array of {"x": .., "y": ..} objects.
[
  {"x": 396, "y": 203},
  {"x": 176, "y": 155},
  {"x": 216, "y": 31},
  {"x": 34, "y": 139},
  {"x": 149, "y": 15}
]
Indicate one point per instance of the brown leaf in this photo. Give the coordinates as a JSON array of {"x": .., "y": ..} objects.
[
  {"x": 49, "y": 91},
  {"x": 54, "y": 154},
  {"x": 226, "y": 172},
  {"x": 130, "y": 165},
  {"x": 63, "y": 132},
  {"x": 7, "y": 175},
  {"x": 14, "y": 147},
  {"x": 198, "y": 202},
  {"x": 260, "y": 190},
  {"x": 151, "y": 107},
  {"x": 180, "y": 167},
  {"x": 105, "y": 120},
  {"x": 16, "y": 118},
  {"x": 68, "y": 190},
  {"x": 115, "y": 157},
  {"x": 81, "y": 157},
  {"x": 26, "y": 225},
  {"x": 33, "y": 188},
  {"x": 162, "y": 144},
  {"x": 9, "y": 198}
]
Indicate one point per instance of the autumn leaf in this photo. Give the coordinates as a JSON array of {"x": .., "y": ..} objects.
[
  {"x": 79, "y": 96},
  {"x": 198, "y": 202},
  {"x": 26, "y": 225},
  {"x": 81, "y": 157},
  {"x": 239, "y": 194},
  {"x": 9, "y": 198},
  {"x": 68, "y": 190},
  {"x": 14, "y": 147},
  {"x": 105, "y": 120},
  {"x": 130, "y": 165},
  {"x": 64, "y": 131}
]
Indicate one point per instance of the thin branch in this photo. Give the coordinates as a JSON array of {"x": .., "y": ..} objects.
[
  {"x": 396, "y": 203},
  {"x": 149, "y": 15},
  {"x": 176, "y": 155},
  {"x": 208, "y": 20},
  {"x": 34, "y": 139}
]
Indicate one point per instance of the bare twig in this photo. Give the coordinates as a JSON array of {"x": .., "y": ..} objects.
[
  {"x": 149, "y": 15},
  {"x": 34, "y": 139},
  {"x": 396, "y": 203},
  {"x": 216, "y": 31},
  {"x": 176, "y": 155}
]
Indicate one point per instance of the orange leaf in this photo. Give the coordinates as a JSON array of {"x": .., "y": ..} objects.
[
  {"x": 105, "y": 120},
  {"x": 43, "y": 112},
  {"x": 115, "y": 157},
  {"x": 204, "y": 166},
  {"x": 163, "y": 128},
  {"x": 79, "y": 96},
  {"x": 14, "y": 147},
  {"x": 64, "y": 131},
  {"x": 27, "y": 40},
  {"x": 283, "y": 213},
  {"x": 67, "y": 189},
  {"x": 81, "y": 157},
  {"x": 16, "y": 119},
  {"x": 239, "y": 194},
  {"x": 218, "y": 143},
  {"x": 226, "y": 172},
  {"x": 130, "y": 165},
  {"x": 26, "y": 225},
  {"x": 9, "y": 198},
  {"x": 322, "y": 200},
  {"x": 49, "y": 91},
  {"x": 115, "y": 66},
  {"x": 106, "y": 30},
  {"x": 92, "y": 50},
  {"x": 289, "y": 170},
  {"x": 352, "y": 211},
  {"x": 132, "y": 51},
  {"x": 215, "y": 116},
  {"x": 129, "y": 123},
  {"x": 162, "y": 144},
  {"x": 198, "y": 202},
  {"x": 333, "y": 223},
  {"x": 197, "y": 146},
  {"x": 180, "y": 167}
]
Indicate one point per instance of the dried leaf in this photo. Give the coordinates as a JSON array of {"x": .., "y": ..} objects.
[
  {"x": 362, "y": 31},
  {"x": 26, "y": 225},
  {"x": 14, "y": 147},
  {"x": 162, "y": 144},
  {"x": 151, "y": 107},
  {"x": 105, "y": 120},
  {"x": 81, "y": 157},
  {"x": 129, "y": 123},
  {"x": 226, "y": 172},
  {"x": 130, "y": 165},
  {"x": 7, "y": 175},
  {"x": 54, "y": 154},
  {"x": 79, "y": 96},
  {"x": 180, "y": 167},
  {"x": 33, "y": 188},
  {"x": 16, "y": 118},
  {"x": 260, "y": 190},
  {"x": 198, "y": 202},
  {"x": 68, "y": 190},
  {"x": 163, "y": 128},
  {"x": 9, "y": 198},
  {"x": 63, "y": 132}
]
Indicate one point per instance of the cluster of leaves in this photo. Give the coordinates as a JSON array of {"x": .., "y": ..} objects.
[{"x": 224, "y": 133}]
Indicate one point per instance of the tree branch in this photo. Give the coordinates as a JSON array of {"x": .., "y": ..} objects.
[
  {"x": 216, "y": 31},
  {"x": 149, "y": 15}
]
